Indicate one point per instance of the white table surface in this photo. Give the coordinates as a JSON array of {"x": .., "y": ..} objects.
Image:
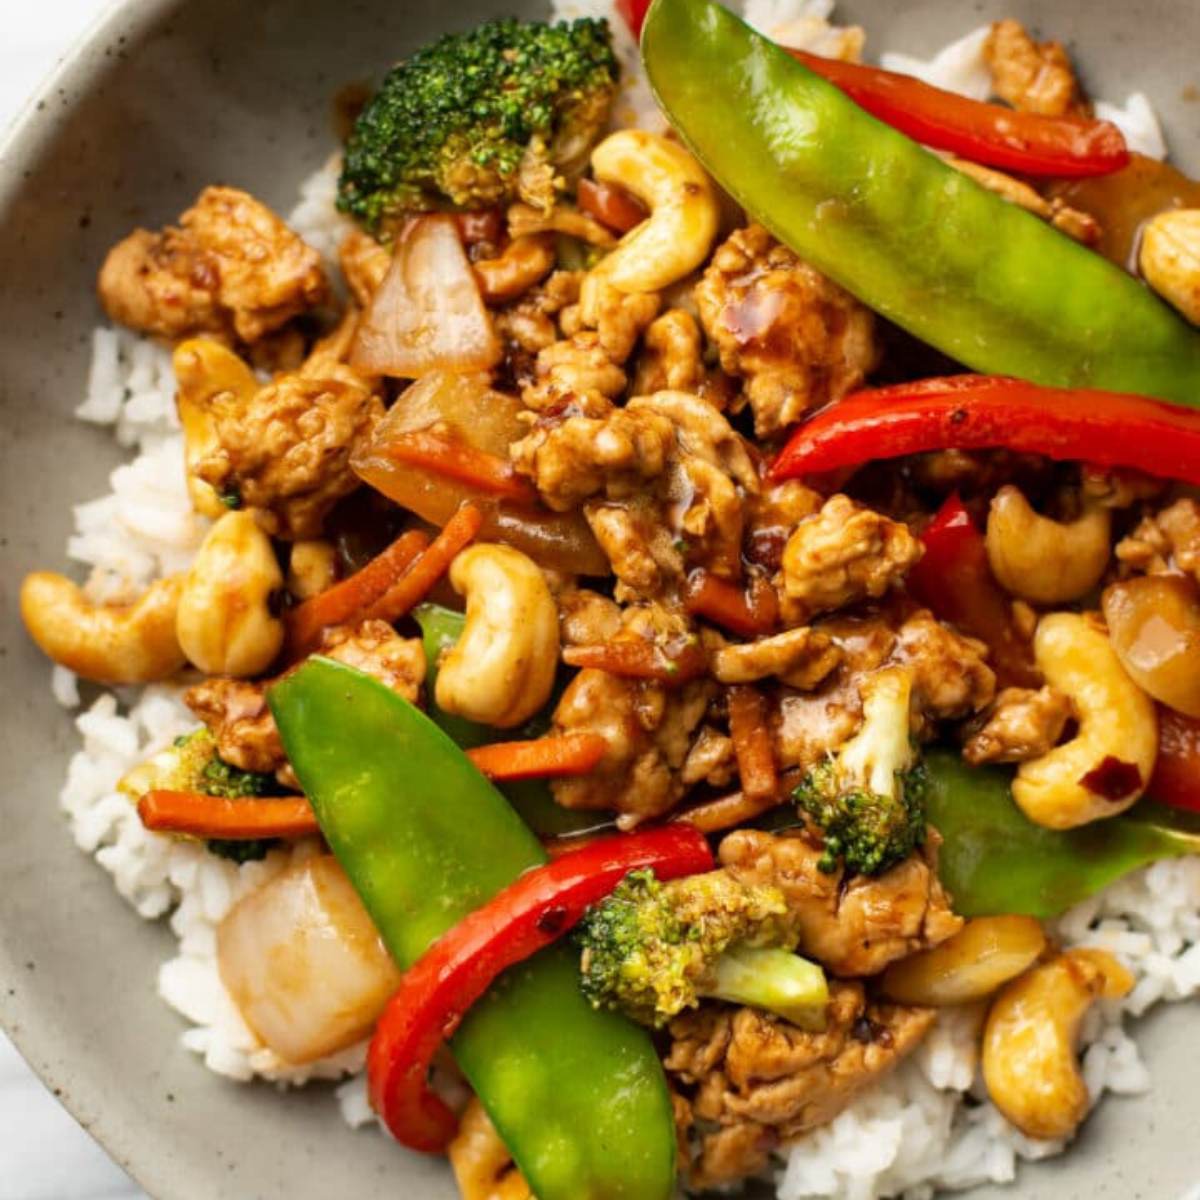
[{"x": 44, "y": 1155}]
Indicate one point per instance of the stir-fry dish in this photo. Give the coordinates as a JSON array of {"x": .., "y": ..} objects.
[{"x": 689, "y": 619}]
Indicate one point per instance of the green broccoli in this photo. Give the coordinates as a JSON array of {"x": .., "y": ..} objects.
[
  {"x": 509, "y": 108},
  {"x": 652, "y": 949},
  {"x": 868, "y": 800},
  {"x": 192, "y": 764}
]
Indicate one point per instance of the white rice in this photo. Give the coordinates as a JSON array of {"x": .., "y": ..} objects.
[{"x": 910, "y": 1135}]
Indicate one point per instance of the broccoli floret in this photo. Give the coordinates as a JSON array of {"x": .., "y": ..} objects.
[
  {"x": 652, "y": 949},
  {"x": 475, "y": 118},
  {"x": 868, "y": 800}
]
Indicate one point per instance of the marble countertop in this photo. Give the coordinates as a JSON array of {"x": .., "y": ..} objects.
[{"x": 44, "y": 1155}]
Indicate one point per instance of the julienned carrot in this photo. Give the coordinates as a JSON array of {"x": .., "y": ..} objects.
[
  {"x": 542, "y": 758},
  {"x": 341, "y": 603},
  {"x": 459, "y": 461},
  {"x": 641, "y": 659},
  {"x": 750, "y": 613},
  {"x": 224, "y": 817},
  {"x": 714, "y": 816},
  {"x": 428, "y": 567},
  {"x": 752, "y": 743}
]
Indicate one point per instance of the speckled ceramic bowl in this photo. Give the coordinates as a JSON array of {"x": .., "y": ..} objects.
[{"x": 163, "y": 97}]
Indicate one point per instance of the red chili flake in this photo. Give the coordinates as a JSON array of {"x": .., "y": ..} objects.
[{"x": 1112, "y": 779}]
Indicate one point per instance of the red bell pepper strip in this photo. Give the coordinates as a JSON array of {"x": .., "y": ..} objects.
[
  {"x": 634, "y": 12},
  {"x": 1031, "y": 143},
  {"x": 460, "y": 966},
  {"x": 1176, "y": 779},
  {"x": 985, "y": 412},
  {"x": 955, "y": 581}
]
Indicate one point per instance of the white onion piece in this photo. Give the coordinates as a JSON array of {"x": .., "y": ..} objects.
[
  {"x": 304, "y": 964},
  {"x": 428, "y": 314}
]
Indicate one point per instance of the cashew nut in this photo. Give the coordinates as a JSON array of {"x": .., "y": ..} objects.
[
  {"x": 107, "y": 643},
  {"x": 684, "y": 210},
  {"x": 312, "y": 568},
  {"x": 501, "y": 670},
  {"x": 981, "y": 957},
  {"x": 1091, "y": 776},
  {"x": 1042, "y": 560},
  {"x": 204, "y": 370},
  {"x": 1170, "y": 259},
  {"x": 1028, "y": 1055},
  {"x": 226, "y": 622},
  {"x": 523, "y": 262},
  {"x": 482, "y": 1164}
]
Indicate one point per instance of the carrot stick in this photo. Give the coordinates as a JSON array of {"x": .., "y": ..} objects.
[
  {"x": 725, "y": 604},
  {"x": 428, "y": 567},
  {"x": 714, "y": 816},
  {"x": 462, "y": 462},
  {"x": 752, "y": 743},
  {"x": 339, "y": 604},
  {"x": 640, "y": 659},
  {"x": 227, "y": 817},
  {"x": 542, "y": 758}
]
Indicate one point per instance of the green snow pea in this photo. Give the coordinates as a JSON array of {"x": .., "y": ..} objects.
[
  {"x": 977, "y": 277},
  {"x": 995, "y": 860},
  {"x": 578, "y": 1095}
]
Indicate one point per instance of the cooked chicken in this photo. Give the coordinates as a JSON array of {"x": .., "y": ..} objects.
[
  {"x": 856, "y": 925},
  {"x": 951, "y": 678},
  {"x": 649, "y": 732},
  {"x": 364, "y": 263},
  {"x": 571, "y": 370},
  {"x": 619, "y": 318},
  {"x": 671, "y": 358},
  {"x": 587, "y": 618},
  {"x": 797, "y": 339},
  {"x": 1031, "y": 76},
  {"x": 1166, "y": 541},
  {"x": 764, "y": 1082},
  {"x": 772, "y": 515},
  {"x": 800, "y": 657},
  {"x": 528, "y": 325},
  {"x": 232, "y": 269},
  {"x": 286, "y": 451},
  {"x": 1021, "y": 724},
  {"x": 843, "y": 554},
  {"x": 236, "y": 711}
]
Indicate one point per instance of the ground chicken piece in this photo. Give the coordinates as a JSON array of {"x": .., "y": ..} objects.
[
  {"x": 843, "y": 554},
  {"x": 710, "y": 760},
  {"x": 951, "y": 678},
  {"x": 1165, "y": 542},
  {"x": 365, "y": 263},
  {"x": 570, "y": 458},
  {"x": 287, "y": 451},
  {"x": 524, "y": 219},
  {"x": 797, "y": 338},
  {"x": 672, "y": 355},
  {"x": 853, "y": 925},
  {"x": 619, "y": 318},
  {"x": 569, "y": 369},
  {"x": 528, "y": 325},
  {"x": 648, "y": 731},
  {"x": 801, "y": 657},
  {"x": 236, "y": 710},
  {"x": 772, "y": 515},
  {"x": 1021, "y": 724},
  {"x": 1118, "y": 489},
  {"x": 764, "y": 1082},
  {"x": 1032, "y": 77},
  {"x": 233, "y": 268},
  {"x": 587, "y": 618},
  {"x": 641, "y": 550}
]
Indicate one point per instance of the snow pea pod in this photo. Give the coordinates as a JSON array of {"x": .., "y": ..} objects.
[
  {"x": 994, "y": 860},
  {"x": 977, "y": 277},
  {"x": 578, "y": 1095}
]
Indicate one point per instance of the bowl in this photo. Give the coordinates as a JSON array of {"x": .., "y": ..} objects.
[{"x": 162, "y": 97}]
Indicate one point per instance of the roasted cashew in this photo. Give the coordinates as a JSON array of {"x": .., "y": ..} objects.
[
  {"x": 684, "y": 216},
  {"x": 981, "y": 957},
  {"x": 1042, "y": 560},
  {"x": 205, "y": 370},
  {"x": 1169, "y": 259},
  {"x": 501, "y": 670},
  {"x": 482, "y": 1164},
  {"x": 1091, "y": 776},
  {"x": 107, "y": 643},
  {"x": 227, "y": 623},
  {"x": 1028, "y": 1057},
  {"x": 523, "y": 262},
  {"x": 312, "y": 568}
]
